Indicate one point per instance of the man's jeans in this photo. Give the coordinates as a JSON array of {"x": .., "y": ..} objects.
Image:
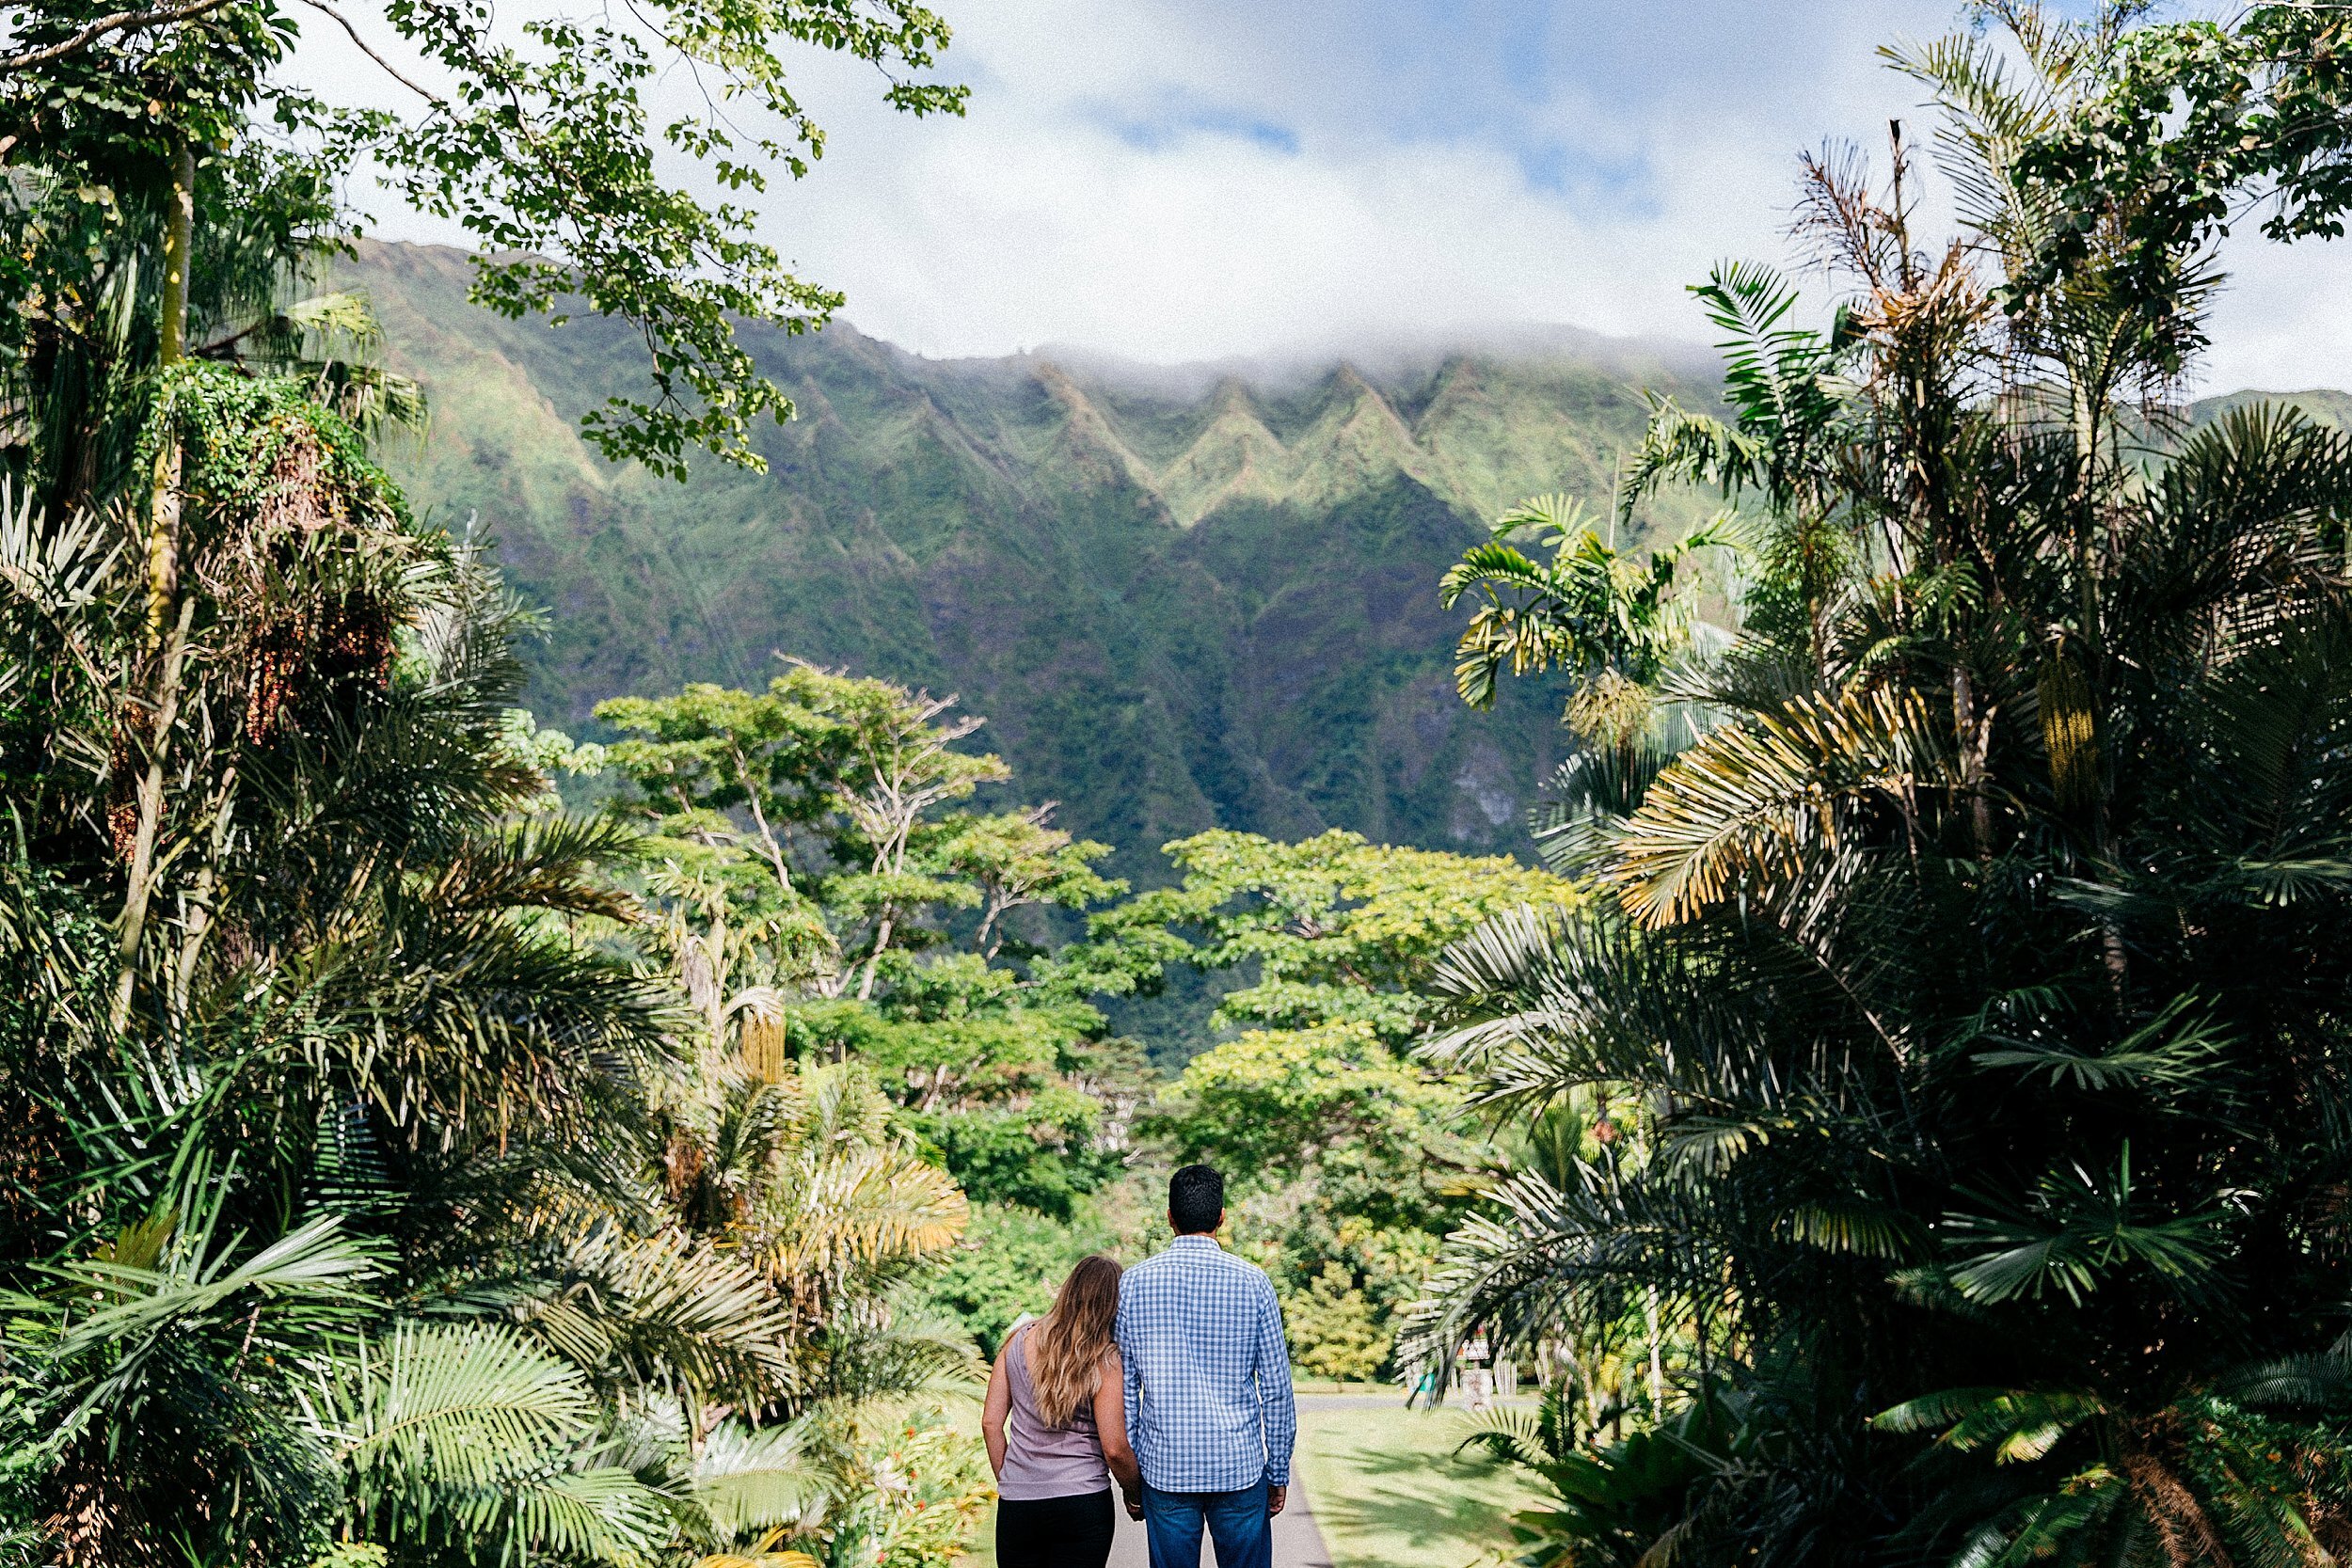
[{"x": 1237, "y": 1524}]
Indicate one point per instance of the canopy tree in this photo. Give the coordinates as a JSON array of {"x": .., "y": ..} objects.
[
  {"x": 1343, "y": 1165},
  {"x": 823, "y": 891},
  {"x": 171, "y": 166}
]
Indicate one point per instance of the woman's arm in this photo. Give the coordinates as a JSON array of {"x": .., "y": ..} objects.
[
  {"x": 1110, "y": 1424},
  {"x": 998, "y": 1406}
]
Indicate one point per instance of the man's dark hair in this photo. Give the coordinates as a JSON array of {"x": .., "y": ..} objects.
[{"x": 1195, "y": 1200}]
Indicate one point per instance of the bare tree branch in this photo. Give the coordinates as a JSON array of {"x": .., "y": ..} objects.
[
  {"x": 119, "y": 21},
  {"x": 345, "y": 22}
]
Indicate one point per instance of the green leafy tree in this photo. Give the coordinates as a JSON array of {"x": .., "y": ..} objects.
[
  {"x": 1351, "y": 1166},
  {"x": 2178, "y": 125},
  {"x": 1330, "y": 929},
  {"x": 817, "y": 896},
  {"x": 857, "y": 763},
  {"x": 148, "y": 122},
  {"x": 1019, "y": 861}
]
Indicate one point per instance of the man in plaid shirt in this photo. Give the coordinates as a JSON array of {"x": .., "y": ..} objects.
[{"x": 1209, "y": 1411}]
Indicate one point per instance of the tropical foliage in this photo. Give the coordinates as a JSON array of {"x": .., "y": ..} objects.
[
  {"x": 366, "y": 1192},
  {"x": 372, "y": 1194},
  {"x": 1966, "y": 992},
  {"x": 817, "y": 897}
]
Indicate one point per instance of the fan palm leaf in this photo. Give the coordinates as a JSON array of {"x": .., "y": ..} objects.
[{"x": 767, "y": 1478}]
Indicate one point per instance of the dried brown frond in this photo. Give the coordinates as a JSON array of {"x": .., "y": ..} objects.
[
  {"x": 127, "y": 756},
  {"x": 2184, "y": 1531},
  {"x": 285, "y": 573},
  {"x": 1611, "y": 709},
  {"x": 682, "y": 1163},
  {"x": 1840, "y": 220}
]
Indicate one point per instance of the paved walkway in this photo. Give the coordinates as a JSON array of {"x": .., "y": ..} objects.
[{"x": 1297, "y": 1544}]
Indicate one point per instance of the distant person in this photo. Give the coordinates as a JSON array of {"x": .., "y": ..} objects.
[
  {"x": 1058, "y": 1380},
  {"x": 1209, "y": 1409}
]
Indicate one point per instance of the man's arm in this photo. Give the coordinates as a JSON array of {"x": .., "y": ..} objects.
[
  {"x": 1274, "y": 1390},
  {"x": 1131, "y": 1371}
]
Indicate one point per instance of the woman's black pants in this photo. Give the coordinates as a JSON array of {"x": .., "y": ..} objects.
[{"x": 1055, "y": 1533}]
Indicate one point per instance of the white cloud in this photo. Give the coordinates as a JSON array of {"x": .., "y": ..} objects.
[
  {"x": 1037, "y": 220},
  {"x": 1177, "y": 180}
]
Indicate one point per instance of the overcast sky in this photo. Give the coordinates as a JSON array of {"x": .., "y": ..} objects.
[{"x": 1188, "y": 179}]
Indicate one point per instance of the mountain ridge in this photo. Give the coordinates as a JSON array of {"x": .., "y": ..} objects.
[{"x": 1182, "y": 597}]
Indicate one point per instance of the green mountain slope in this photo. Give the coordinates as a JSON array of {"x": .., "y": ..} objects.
[
  {"x": 1181, "y": 599},
  {"x": 2321, "y": 404}
]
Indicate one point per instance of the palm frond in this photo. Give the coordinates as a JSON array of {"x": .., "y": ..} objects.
[
  {"x": 669, "y": 1312},
  {"x": 1759, "y": 799},
  {"x": 297, "y": 1288},
  {"x": 2072, "y": 1233},
  {"x": 2173, "y": 1049},
  {"x": 1679, "y": 445},
  {"x": 2015, "y": 1425},
  {"x": 469, "y": 1433},
  {"x": 748, "y": 1479}
]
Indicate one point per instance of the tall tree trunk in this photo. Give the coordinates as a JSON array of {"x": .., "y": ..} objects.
[
  {"x": 163, "y": 534},
  {"x": 140, "y": 887},
  {"x": 163, "y": 586},
  {"x": 197, "y": 922},
  {"x": 1657, "y": 1360}
]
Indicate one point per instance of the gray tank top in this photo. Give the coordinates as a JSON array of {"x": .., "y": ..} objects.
[{"x": 1043, "y": 1461}]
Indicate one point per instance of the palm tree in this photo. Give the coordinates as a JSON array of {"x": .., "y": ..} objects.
[
  {"x": 1975, "y": 975},
  {"x": 803, "y": 1177},
  {"x": 359, "y": 1062},
  {"x": 1616, "y": 627},
  {"x": 335, "y": 1222}
]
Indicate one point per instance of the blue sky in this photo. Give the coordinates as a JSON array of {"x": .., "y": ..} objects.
[{"x": 1188, "y": 179}]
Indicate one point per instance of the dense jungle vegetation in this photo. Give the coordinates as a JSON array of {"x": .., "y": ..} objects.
[
  {"x": 1960, "y": 985},
  {"x": 1904, "y": 1118}
]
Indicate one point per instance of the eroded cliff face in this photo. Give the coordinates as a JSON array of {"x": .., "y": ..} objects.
[{"x": 1179, "y": 606}]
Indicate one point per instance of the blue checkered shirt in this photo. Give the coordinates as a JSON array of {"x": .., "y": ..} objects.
[{"x": 1208, "y": 1379}]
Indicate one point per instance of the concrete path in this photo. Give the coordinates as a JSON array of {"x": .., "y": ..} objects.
[{"x": 1297, "y": 1544}]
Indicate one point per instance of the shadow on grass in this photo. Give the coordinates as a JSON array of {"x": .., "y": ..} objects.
[{"x": 1439, "y": 1507}]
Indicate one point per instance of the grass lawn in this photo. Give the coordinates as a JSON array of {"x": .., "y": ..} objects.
[{"x": 1389, "y": 1491}]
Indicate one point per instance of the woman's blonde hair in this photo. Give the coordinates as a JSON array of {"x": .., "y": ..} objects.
[{"x": 1065, "y": 1348}]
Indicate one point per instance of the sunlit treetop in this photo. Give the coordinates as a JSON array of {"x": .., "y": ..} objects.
[{"x": 1340, "y": 930}]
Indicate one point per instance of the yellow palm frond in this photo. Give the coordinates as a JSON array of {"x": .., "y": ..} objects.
[
  {"x": 761, "y": 1555},
  {"x": 833, "y": 1215},
  {"x": 1753, "y": 799}
]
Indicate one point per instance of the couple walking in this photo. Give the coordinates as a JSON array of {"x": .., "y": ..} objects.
[{"x": 1174, "y": 1379}]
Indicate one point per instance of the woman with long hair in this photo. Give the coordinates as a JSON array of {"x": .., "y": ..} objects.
[{"x": 1058, "y": 1384}]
